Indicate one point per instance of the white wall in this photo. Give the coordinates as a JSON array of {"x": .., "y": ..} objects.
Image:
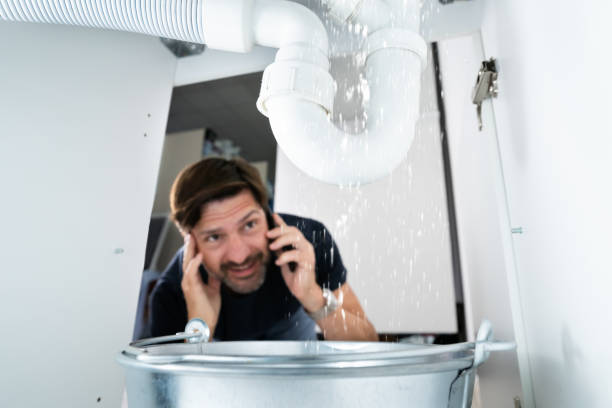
[
  {"x": 455, "y": 19},
  {"x": 82, "y": 118},
  {"x": 180, "y": 150},
  {"x": 484, "y": 240},
  {"x": 393, "y": 234},
  {"x": 553, "y": 120},
  {"x": 554, "y": 133}
]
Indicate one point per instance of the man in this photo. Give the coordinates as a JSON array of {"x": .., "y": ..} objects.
[{"x": 248, "y": 273}]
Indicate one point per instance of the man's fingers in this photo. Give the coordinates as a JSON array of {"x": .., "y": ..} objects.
[
  {"x": 291, "y": 239},
  {"x": 189, "y": 246},
  {"x": 274, "y": 233},
  {"x": 278, "y": 220},
  {"x": 191, "y": 274},
  {"x": 282, "y": 230},
  {"x": 189, "y": 250},
  {"x": 193, "y": 265},
  {"x": 288, "y": 256}
]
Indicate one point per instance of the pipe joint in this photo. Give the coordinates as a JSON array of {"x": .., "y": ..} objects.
[
  {"x": 227, "y": 24},
  {"x": 373, "y": 14},
  {"x": 302, "y": 79},
  {"x": 281, "y": 23},
  {"x": 397, "y": 38}
]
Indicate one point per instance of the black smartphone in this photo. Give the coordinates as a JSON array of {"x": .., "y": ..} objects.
[
  {"x": 272, "y": 224},
  {"x": 270, "y": 219}
]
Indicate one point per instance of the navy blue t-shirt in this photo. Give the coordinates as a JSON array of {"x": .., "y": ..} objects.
[{"x": 269, "y": 313}]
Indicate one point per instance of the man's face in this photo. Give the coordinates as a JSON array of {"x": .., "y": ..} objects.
[{"x": 231, "y": 235}]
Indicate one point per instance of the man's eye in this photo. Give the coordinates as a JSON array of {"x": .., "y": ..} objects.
[
  {"x": 250, "y": 225},
  {"x": 212, "y": 238}
]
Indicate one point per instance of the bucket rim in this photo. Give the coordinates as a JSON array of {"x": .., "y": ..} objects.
[{"x": 337, "y": 358}]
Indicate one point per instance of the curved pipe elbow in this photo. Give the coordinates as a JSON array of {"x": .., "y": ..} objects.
[
  {"x": 279, "y": 23},
  {"x": 322, "y": 151},
  {"x": 314, "y": 144}
]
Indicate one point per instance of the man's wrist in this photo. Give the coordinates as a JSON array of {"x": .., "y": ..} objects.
[
  {"x": 196, "y": 310},
  {"x": 329, "y": 307},
  {"x": 314, "y": 300}
]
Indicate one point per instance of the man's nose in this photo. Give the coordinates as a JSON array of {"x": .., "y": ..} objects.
[{"x": 237, "y": 250}]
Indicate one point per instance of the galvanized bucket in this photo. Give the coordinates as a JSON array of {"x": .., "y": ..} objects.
[{"x": 303, "y": 374}]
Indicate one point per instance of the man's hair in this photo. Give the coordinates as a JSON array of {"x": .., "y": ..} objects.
[{"x": 212, "y": 179}]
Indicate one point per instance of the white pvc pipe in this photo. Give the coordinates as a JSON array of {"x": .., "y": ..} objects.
[
  {"x": 374, "y": 14},
  {"x": 220, "y": 24},
  {"x": 406, "y": 13},
  {"x": 316, "y": 146},
  {"x": 299, "y": 117},
  {"x": 180, "y": 20},
  {"x": 280, "y": 23}
]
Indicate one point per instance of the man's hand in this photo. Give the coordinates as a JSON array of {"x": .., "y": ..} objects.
[
  {"x": 301, "y": 281},
  {"x": 203, "y": 300}
]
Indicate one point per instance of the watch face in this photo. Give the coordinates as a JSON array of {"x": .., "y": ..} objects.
[
  {"x": 330, "y": 299},
  {"x": 331, "y": 304},
  {"x": 329, "y": 296},
  {"x": 197, "y": 325}
]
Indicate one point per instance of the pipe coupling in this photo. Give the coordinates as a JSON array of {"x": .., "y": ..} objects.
[
  {"x": 397, "y": 38},
  {"x": 227, "y": 24},
  {"x": 299, "y": 79}
]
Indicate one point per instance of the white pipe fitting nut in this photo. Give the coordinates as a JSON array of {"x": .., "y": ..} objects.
[
  {"x": 397, "y": 38},
  {"x": 300, "y": 80}
]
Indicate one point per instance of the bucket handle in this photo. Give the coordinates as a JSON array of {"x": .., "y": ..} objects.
[
  {"x": 484, "y": 344},
  {"x": 196, "y": 331}
]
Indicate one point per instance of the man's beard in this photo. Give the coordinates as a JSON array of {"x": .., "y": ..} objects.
[{"x": 251, "y": 284}]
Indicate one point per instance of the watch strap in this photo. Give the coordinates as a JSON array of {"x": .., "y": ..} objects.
[{"x": 331, "y": 305}]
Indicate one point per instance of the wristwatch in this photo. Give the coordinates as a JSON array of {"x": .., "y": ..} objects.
[
  {"x": 331, "y": 305},
  {"x": 197, "y": 326}
]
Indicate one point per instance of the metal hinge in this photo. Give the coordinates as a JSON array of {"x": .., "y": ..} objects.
[{"x": 486, "y": 86}]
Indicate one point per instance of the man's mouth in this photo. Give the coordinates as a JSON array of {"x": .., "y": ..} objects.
[{"x": 245, "y": 270}]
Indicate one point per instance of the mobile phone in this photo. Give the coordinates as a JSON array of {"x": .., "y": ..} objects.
[
  {"x": 272, "y": 224},
  {"x": 203, "y": 274}
]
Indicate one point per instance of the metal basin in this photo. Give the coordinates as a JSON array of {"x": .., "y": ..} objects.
[{"x": 303, "y": 374}]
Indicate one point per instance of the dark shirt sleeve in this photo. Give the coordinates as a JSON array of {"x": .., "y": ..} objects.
[
  {"x": 168, "y": 308},
  {"x": 330, "y": 270}
]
